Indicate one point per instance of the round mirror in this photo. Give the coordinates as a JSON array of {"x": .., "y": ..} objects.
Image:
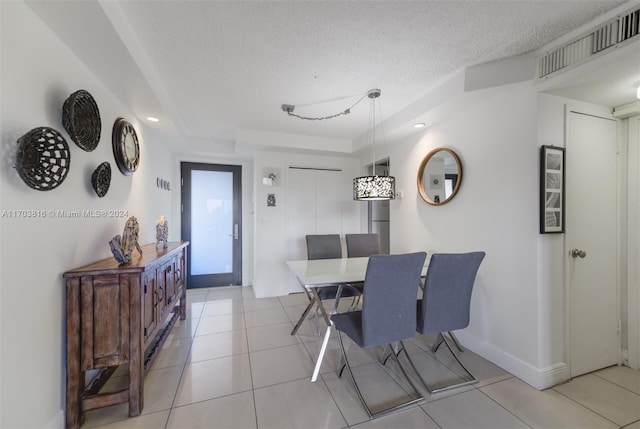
[{"x": 439, "y": 176}]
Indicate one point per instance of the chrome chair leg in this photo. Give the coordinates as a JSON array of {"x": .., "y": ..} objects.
[
  {"x": 455, "y": 341},
  {"x": 342, "y": 365},
  {"x": 439, "y": 339},
  {"x": 437, "y": 342},
  {"x": 404, "y": 372},
  {"x": 386, "y": 411},
  {"x": 391, "y": 350},
  {"x": 472, "y": 379},
  {"x": 385, "y": 354}
]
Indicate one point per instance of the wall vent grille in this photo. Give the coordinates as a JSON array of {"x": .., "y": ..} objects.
[{"x": 610, "y": 34}]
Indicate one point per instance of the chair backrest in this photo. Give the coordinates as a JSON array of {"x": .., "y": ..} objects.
[
  {"x": 325, "y": 246},
  {"x": 390, "y": 291},
  {"x": 362, "y": 245},
  {"x": 446, "y": 298}
]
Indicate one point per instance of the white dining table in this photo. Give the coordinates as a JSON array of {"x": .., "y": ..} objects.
[{"x": 318, "y": 273}]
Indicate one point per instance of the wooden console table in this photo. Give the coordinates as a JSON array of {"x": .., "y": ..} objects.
[{"x": 120, "y": 314}]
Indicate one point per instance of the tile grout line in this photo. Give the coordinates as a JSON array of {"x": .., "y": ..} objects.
[
  {"x": 502, "y": 406},
  {"x": 595, "y": 373},
  {"x": 585, "y": 407},
  {"x": 253, "y": 390},
  {"x": 292, "y": 324},
  {"x": 184, "y": 366}
]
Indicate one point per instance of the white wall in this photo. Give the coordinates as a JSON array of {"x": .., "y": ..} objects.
[
  {"x": 633, "y": 243},
  {"x": 496, "y": 210},
  {"x": 271, "y": 275},
  {"x": 552, "y": 323},
  {"x": 38, "y": 74}
]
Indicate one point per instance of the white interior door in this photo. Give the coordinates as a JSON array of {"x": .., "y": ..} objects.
[{"x": 591, "y": 227}]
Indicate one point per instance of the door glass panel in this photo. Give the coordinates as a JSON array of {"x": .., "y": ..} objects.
[{"x": 211, "y": 222}]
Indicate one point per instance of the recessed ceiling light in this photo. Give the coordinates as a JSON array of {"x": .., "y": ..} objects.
[
  {"x": 419, "y": 125},
  {"x": 152, "y": 119}
]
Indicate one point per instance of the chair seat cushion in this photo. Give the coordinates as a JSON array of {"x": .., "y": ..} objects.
[
  {"x": 329, "y": 292},
  {"x": 351, "y": 324}
]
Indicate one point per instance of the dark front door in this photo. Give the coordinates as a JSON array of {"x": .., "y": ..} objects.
[{"x": 211, "y": 222}]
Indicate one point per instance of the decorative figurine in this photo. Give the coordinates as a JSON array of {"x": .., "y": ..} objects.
[
  {"x": 122, "y": 247},
  {"x": 162, "y": 233}
]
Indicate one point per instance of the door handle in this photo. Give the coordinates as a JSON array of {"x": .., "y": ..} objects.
[
  {"x": 577, "y": 253},
  {"x": 235, "y": 232}
]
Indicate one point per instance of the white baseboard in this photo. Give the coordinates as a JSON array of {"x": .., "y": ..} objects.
[{"x": 540, "y": 378}]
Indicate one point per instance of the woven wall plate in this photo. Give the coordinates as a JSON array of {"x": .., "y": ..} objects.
[
  {"x": 43, "y": 158},
  {"x": 81, "y": 119},
  {"x": 101, "y": 179}
]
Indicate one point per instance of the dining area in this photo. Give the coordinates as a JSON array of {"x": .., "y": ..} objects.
[
  {"x": 234, "y": 363},
  {"x": 391, "y": 299}
]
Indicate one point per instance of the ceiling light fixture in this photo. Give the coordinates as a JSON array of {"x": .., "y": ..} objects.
[
  {"x": 638, "y": 92},
  {"x": 419, "y": 125},
  {"x": 374, "y": 187},
  {"x": 152, "y": 119},
  {"x": 289, "y": 108}
]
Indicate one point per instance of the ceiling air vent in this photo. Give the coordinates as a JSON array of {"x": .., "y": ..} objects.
[{"x": 609, "y": 34}]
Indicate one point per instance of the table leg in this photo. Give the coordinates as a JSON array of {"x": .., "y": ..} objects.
[
  {"x": 312, "y": 300},
  {"x": 304, "y": 316},
  {"x": 327, "y": 333},
  {"x": 323, "y": 348},
  {"x": 325, "y": 315}
]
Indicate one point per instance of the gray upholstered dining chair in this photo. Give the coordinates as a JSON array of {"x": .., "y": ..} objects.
[
  {"x": 359, "y": 245},
  {"x": 328, "y": 246},
  {"x": 387, "y": 315},
  {"x": 324, "y": 246},
  {"x": 446, "y": 301}
]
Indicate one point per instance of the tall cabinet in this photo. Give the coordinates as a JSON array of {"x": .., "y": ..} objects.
[
  {"x": 319, "y": 201},
  {"x": 120, "y": 315}
]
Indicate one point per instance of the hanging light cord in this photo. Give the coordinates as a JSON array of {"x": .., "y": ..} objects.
[
  {"x": 289, "y": 109},
  {"x": 372, "y": 131},
  {"x": 384, "y": 140}
]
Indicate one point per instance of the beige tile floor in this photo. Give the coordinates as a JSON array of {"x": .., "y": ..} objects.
[{"x": 234, "y": 364}]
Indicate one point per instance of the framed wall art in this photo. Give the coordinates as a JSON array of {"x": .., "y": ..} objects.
[{"x": 551, "y": 189}]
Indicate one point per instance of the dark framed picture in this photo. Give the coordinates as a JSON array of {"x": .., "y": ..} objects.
[{"x": 551, "y": 189}]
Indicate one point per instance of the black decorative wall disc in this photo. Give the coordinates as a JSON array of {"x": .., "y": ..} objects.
[
  {"x": 43, "y": 158},
  {"x": 81, "y": 119},
  {"x": 101, "y": 179}
]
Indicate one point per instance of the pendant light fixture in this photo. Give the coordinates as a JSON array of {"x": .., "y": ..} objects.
[{"x": 374, "y": 187}]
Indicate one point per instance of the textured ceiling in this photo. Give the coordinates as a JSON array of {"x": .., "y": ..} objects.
[{"x": 214, "y": 67}]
